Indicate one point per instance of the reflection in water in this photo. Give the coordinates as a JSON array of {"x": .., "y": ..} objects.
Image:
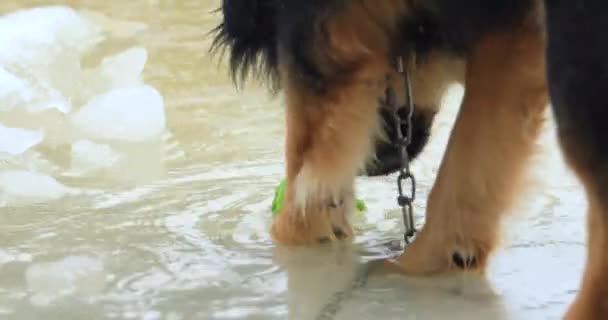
[
  {"x": 331, "y": 283},
  {"x": 153, "y": 201}
]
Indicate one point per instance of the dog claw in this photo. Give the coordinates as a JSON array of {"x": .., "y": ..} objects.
[
  {"x": 339, "y": 233},
  {"x": 466, "y": 262}
]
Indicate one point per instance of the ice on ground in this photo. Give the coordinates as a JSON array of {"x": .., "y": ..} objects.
[
  {"x": 118, "y": 71},
  {"x": 17, "y": 187},
  {"x": 124, "y": 69},
  {"x": 13, "y": 90},
  {"x": 30, "y": 91},
  {"x": 88, "y": 156},
  {"x": 130, "y": 115},
  {"x": 16, "y": 141},
  {"x": 42, "y": 47},
  {"x": 48, "y": 98},
  {"x": 24, "y": 33}
]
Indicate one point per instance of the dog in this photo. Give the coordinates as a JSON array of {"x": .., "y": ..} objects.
[{"x": 334, "y": 60}]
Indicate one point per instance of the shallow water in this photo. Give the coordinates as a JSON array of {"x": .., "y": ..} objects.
[{"x": 177, "y": 228}]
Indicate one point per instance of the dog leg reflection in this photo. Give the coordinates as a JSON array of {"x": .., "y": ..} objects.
[{"x": 327, "y": 281}]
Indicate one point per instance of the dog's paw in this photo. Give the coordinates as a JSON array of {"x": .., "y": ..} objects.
[
  {"x": 442, "y": 253},
  {"x": 318, "y": 224}
]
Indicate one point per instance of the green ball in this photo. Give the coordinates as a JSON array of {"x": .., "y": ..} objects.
[{"x": 279, "y": 200}]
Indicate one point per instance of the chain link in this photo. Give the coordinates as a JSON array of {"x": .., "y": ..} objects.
[{"x": 405, "y": 178}]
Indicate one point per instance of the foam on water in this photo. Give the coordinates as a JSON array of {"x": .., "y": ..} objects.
[
  {"x": 74, "y": 274},
  {"x": 48, "y": 99}
]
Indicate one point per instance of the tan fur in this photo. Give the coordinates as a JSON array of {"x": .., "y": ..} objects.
[
  {"x": 430, "y": 80},
  {"x": 328, "y": 138},
  {"x": 488, "y": 152},
  {"x": 330, "y": 135}
]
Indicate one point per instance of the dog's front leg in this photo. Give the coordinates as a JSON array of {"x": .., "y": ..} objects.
[
  {"x": 488, "y": 152},
  {"x": 329, "y": 137},
  {"x": 334, "y": 73}
]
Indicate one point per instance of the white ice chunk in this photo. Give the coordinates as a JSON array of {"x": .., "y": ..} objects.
[
  {"x": 132, "y": 114},
  {"x": 42, "y": 47},
  {"x": 89, "y": 156},
  {"x": 124, "y": 69},
  {"x": 15, "y": 141},
  {"x": 31, "y": 187},
  {"x": 48, "y": 98},
  {"x": 119, "y": 71},
  {"x": 13, "y": 90},
  {"x": 23, "y": 33}
]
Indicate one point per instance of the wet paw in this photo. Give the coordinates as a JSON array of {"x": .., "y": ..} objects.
[
  {"x": 339, "y": 233},
  {"x": 320, "y": 224},
  {"x": 436, "y": 253}
]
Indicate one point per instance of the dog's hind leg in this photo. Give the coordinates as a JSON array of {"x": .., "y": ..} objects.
[
  {"x": 487, "y": 155},
  {"x": 578, "y": 76}
]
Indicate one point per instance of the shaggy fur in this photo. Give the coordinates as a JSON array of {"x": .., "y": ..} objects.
[{"x": 333, "y": 59}]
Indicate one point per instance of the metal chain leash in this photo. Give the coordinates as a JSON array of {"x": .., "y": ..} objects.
[{"x": 405, "y": 178}]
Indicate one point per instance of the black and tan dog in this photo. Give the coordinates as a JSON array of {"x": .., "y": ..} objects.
[{"x": 333, "y": 59}]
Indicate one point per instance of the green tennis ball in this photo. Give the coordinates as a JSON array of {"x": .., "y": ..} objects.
[
  {"x": 360, "y": 205},
  {"x": 279, "y": 200}
]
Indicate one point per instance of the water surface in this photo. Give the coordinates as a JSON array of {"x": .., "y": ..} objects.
[{"x": 179, "y": 229}]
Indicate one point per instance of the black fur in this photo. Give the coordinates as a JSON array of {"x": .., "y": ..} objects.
[
  {"x": 577, "y": 53},
  {"x": 249, "y": 31},
  {"x": 388, "y": 156},
  {"x": 256, "y": 31},
  {"x": 260, "y": 32},
  {"x": 463, "y": 22},
  {"x": 577, "y": 74}
]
